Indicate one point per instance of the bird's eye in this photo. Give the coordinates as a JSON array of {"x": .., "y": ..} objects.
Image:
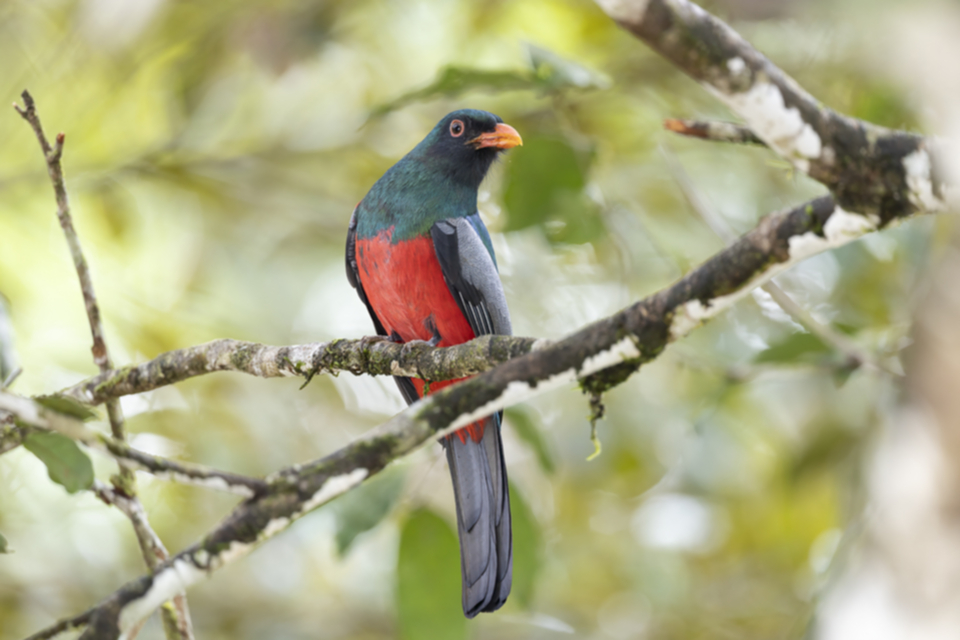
[{"x": 456, "y": 128}]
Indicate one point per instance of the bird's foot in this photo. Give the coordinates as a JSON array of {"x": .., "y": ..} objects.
[{"x": 365, "y": 343}]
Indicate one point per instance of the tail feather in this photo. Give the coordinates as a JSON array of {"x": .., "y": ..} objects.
[{"x": 483, "y": 518}]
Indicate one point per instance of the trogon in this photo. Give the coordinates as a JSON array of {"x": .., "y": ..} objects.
[{"x": 422, "y": 262}]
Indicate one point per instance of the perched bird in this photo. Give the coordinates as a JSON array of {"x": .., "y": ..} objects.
[{"x": 422, "y": 262}]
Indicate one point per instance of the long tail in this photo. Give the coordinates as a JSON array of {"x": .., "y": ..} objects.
[
  {"x": 483, "y": 507},
  {"x": 483, "y": 517}
]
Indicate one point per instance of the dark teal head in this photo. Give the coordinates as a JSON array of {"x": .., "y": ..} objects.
[
  {"x": 439, "y": 178},
  {"x": 464, "y": 144}
]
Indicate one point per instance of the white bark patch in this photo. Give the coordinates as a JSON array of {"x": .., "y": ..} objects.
[
  {"x": 736, "y": 65},
  {"x": 184, "y": 573},
  {"x": 234, "y": 552},
  {"x": 779, "y": 126},
  {"x": 213, "y": 482},
  {"x": 919, "y": 181},
  {"x": 841, "y": 227},
  {"x": 167, "y": 583},
  {"x": 518, "y": 391},
  {"x": 625, "y": 349},
  {"x": 626, "y": 11},
  {"x": 689, "y": 316},
  {"x": 333, "y": 487},
  {"x": 274, "y": 527}
]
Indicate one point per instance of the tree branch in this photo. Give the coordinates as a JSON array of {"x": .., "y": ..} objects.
[
  {"x": 713, "y": 130},
  {"x": 599, "y": 356},
  {"x": 67, "y": 624},
  {"x": 176, "y": 619},
  {"x": 373, "y": 356},
  {"x": 886, "y": 175},
  {"x": 852, "y": 352},
  {"x": 868, "y": 168}
]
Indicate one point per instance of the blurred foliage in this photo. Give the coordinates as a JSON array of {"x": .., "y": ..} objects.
[
  {"x": 526, "y": 549},
  {"x": 363, "y": 509},
  {"x": 797, "y": 347},
  {"x": 548, "y": 73},
  {"x": 214, "y": 154},
  {"x": 428, "y": 586},
  {"x": 524, "y": 423}
]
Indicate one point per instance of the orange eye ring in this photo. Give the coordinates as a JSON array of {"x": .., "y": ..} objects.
[{"x": 457, "y": 128}]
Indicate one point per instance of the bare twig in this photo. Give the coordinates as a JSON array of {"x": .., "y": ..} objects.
[
  {"x": 101, "y": 356},
  {"x": 176, "y": 621},
  {"x": 854, "y": 354},
  {"x": 868, "y": 168},
  {"x": 713, "y": 130},
  {"x": 10, "y": 378},
  {"x": 52, "y": 156}
]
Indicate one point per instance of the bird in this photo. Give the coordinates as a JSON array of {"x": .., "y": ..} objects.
[{"x": 421, "y": 260}]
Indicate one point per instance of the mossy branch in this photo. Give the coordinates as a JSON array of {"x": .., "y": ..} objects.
[{"x": 372, "y": 356}]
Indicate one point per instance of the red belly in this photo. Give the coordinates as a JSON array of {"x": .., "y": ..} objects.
[{"x": 404, "y": 284}]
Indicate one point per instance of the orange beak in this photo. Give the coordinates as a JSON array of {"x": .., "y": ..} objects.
[{"x": 503, "y": 137}]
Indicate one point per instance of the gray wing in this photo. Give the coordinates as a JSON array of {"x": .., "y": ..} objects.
[{"x": 468, "y": 267}]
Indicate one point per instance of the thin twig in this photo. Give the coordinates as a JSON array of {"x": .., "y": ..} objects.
[
  {"x": 67, "y": 624},
  {"x": 880, "y": 172},
  {"x": 10, "y": 378},
  {"x": 101, "y": 356},
  {"x": 851, "y": 351},
  {"x": 715, "y": 130}
]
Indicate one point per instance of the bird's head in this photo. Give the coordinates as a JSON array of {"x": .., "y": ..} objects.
[{"x": 465, "y": 143}]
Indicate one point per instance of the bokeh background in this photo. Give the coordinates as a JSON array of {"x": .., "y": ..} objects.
[{"x": 214, "y": 154}]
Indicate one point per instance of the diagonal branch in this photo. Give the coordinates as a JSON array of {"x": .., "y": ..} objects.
[
  {"x": 852, "y": 352},
  {"x": 868, "y": 168}
]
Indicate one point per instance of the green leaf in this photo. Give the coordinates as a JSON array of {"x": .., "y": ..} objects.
[
  {"x": 525, "y": 425},
  {"x": 558, "y": 72},
  {"x": 842, "y": 374},
  {"x": 829, "y": 445},
  {"x": 526, "y": 549},
  {"x": 66, "y": 463},
  {"x": 428, "y": 580},
  {"x": 363, "y": 508},
  {"x": 452, "y": 81},
  {"x": 548, "y": 72},
  {"x": 545, "y": 182},
  {"x": 3, "y": 544},
  {"x": 66, "y": 406},
  {"x": 798, "y": 347}
]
